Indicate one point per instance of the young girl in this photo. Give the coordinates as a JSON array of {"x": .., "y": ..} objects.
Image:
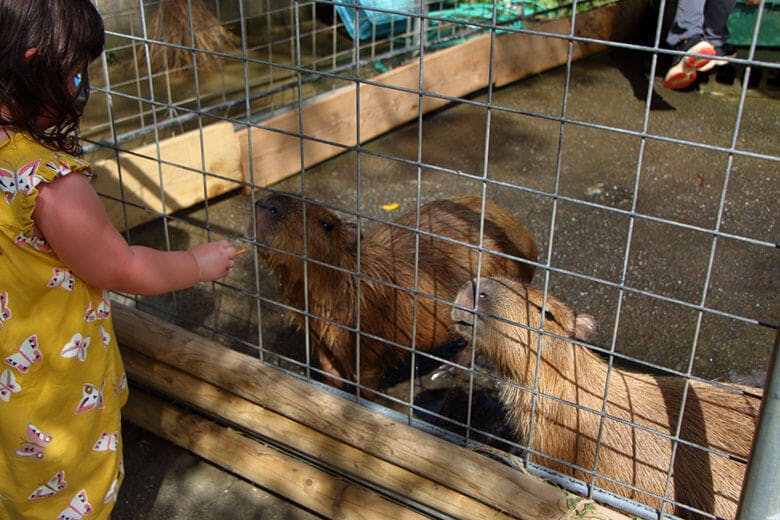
[{"x": 61, "y": 378}]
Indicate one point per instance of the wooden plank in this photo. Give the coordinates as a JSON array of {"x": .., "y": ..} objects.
[
  {"x": 300, "y": 482},
  {"x": 253, "y": 418},
  {"x": 474, "y": 475},
  {"x": 453, "y": 72},
  {"x": 175, "y": 175}
]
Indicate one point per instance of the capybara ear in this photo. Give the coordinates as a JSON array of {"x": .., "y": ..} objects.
[{"x": 584, "y": 327}]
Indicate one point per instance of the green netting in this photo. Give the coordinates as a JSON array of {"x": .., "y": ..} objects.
[{"x": 379, "y": 18}]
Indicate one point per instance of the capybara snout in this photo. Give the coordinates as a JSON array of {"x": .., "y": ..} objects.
[
  {"x": 279, "y": 222},
  {"x": 460, "y": 316},
  {"x": 269, "y": 210},
  {"x": 501, "y": 302},
  {"x": 267, "y": 213}
]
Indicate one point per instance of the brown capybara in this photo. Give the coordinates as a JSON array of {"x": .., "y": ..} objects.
[
  {"x": 389, "y": 313},
  {"x": 571, "y": 386}
]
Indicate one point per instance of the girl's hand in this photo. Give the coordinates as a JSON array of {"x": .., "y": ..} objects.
[{"x": 214, "y": 259}]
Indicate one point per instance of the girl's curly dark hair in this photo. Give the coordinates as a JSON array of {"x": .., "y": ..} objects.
[{"x": 66, "y": 35}]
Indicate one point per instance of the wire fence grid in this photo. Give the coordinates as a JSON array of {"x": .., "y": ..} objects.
[{"x": 684, "y": 285}]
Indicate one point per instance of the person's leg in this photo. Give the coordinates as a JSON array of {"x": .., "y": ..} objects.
[
  {"x": 686, "y": 34},
  {"x": 715, "y": 25},
  {"x": 716, "y": 31},
  {"x": 688, "y": 23}
]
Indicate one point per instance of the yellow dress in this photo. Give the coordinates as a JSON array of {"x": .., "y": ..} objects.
[{"x": 62, "y": 383}]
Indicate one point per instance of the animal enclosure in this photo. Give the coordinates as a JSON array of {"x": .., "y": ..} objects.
[{"x": 653, "y": 211}]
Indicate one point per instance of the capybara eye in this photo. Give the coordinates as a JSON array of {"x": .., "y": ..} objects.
[
  {"x": 549, "y": 316},
  {"x": 482, "y": 295},
  {"x": 327, "y": 226}
]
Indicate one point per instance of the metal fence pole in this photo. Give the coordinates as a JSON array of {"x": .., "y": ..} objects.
[{"x": 761, "y": 491}]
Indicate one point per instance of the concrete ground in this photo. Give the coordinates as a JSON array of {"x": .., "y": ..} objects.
[{"x": 679, "y": 183}]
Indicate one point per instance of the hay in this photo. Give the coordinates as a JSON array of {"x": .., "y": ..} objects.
[{"x": 171, "y": 23}]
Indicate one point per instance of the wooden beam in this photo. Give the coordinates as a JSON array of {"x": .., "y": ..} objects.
[
  {"x": 234, "y": 410},
  {"x": 392, "y": 100},
  {"x": 460, "y": 469},
  {"x": 301, "y": 483},
  {"x": 139, "y": 182}
]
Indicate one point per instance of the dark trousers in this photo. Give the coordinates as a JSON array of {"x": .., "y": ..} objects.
[{"x": 695, "y": 19}]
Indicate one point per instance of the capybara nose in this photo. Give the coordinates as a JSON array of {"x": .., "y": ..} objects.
[
  {"x": 465, "y": 298},
  {"x": 268, "y": 212},
  {"x": 270, "y": 207}
]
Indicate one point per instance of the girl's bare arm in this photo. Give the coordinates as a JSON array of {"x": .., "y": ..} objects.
[{"x": 75, "y": 224}]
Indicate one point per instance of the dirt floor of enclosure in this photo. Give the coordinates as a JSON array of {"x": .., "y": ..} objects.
[{"x": 679, "y": 183}]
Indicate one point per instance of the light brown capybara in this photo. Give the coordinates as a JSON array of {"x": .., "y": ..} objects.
[
  {"x": 571, "y": 385},
  {"x": 386, "y": 283}
]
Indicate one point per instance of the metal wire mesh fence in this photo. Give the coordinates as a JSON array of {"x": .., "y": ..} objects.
[{"x": 653, "y": 211}]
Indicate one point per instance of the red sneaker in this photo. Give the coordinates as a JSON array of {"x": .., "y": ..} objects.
[
  {"x": 699, "y": 62},
  {"x": 683, "y": 71},
  {"x": 724, "y": 51},
  {"x": 679, "y": 76}
]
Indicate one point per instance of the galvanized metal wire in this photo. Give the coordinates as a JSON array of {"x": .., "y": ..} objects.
[{"x": 309, "y": 61}]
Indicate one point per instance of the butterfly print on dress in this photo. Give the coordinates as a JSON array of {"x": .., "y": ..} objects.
[
  {"x": 79, "y": 507},
  {"x": 22, "y": 181},
  {"x": 76, "y": 347},
  {"x": 35, "y": 448},
  {"x": 62, "y": 278},
  {"x": 5, "y": 310},
  {"x": 92, "y": 398},
  {"x": 28, "y": 354},
  {"x": 55, "y": 484},
  {"x": 107, "y": 442},
  {"x": 8, "y": 385}
]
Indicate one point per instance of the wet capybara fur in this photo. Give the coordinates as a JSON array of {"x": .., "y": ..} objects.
[
  {"x": 380, "y": 301},
  {"x": 563, "y": 419}
]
